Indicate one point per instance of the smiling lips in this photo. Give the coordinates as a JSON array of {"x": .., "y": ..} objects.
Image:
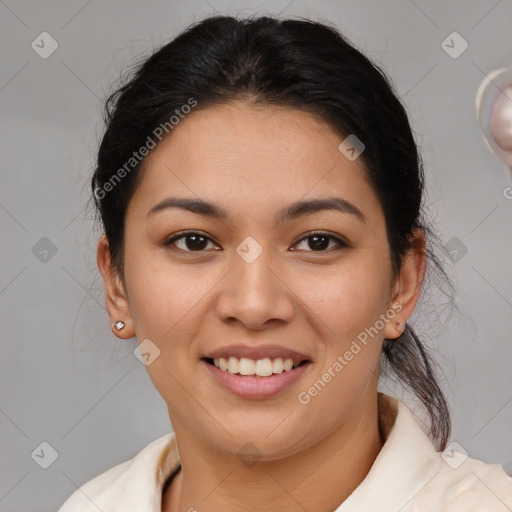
[
  {"x": 261, "y": 367},
  {"x": 256, "y": 372},
  {"x": 262, "y": 361}
]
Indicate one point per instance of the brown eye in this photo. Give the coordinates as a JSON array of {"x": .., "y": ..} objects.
[
  {"x": 319, "y": 241},
  {"x": 191, "y": 241}
]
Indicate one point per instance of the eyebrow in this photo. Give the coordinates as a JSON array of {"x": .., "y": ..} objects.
[{"x": 292, "y": 211}]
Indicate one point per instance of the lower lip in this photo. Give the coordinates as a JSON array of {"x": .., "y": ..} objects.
[{"x": 256, "y": 387}]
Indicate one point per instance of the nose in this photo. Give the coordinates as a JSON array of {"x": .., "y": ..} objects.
[{"x": 254, "y": 294}]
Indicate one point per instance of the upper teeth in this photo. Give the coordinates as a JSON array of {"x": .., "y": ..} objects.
[{"x": 261, "y": 367}]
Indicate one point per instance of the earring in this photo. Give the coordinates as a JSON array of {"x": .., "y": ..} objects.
[
  {"x": 119, "y": 325},
  {"x": 401, "y": 324}
]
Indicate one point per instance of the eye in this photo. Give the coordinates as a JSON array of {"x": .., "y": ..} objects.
[
  {"x": 319, "y": 241},
  {"x": 192, "y": 241}
]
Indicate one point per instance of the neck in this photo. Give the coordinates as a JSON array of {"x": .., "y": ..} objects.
[{"x": 319, "y": 478}]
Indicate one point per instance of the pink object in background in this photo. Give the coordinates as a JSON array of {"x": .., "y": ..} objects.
[{"x": 494, "y": 112}]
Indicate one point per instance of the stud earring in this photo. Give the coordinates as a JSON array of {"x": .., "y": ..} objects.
[
  {"x": 401, "y": 324},
  {"x": 119, "y": 325}
]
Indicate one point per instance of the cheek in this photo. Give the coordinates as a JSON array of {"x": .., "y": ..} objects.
[
  {"x": 160, "y": 293},
  {"x": 166, "y": 303},
  {"x": 169, "y": 303},
  {"x": 347, "y": 299},
  {"x": 346, "y": 308}
]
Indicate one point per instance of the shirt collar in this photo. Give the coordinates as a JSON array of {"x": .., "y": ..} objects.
[{"x": 405, "y": 465}]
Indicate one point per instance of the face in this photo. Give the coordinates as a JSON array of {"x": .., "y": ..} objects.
[{"x": 307, "y": 283}]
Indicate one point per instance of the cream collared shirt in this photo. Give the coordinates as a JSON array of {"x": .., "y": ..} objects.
[{"x": 408, "y": 475}]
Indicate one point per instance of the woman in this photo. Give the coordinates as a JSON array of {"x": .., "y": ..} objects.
[{"x": 260, "y": 192}]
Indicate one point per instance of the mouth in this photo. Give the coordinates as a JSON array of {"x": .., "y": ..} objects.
[
  {"x": 255, "y": 379},
  {"x": 255, "y": 372},
  {"x": 246, "y": 367}
]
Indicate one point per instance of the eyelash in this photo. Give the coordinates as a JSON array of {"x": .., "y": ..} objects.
[{"x": 184, "y": 234}]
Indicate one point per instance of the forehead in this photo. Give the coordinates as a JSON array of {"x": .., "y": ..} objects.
[{"x": 254, "y": 158}]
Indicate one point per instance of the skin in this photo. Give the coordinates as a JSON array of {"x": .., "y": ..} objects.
[{"x": 253, "y": 161}]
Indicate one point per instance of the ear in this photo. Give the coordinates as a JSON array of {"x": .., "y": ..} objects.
[
  {"x": 407, "y": 286},
  {"x": 116, "y": 299}
]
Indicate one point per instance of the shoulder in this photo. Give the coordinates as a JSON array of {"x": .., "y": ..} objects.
[
  {"x": 90, "y": 494},
  {"x": 136, "y": 477},
  {"x": 411, "y": 476},
  {"x": 464, "y": 484}
]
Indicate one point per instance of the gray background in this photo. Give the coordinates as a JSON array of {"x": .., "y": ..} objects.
[{"x": 65, "y": 379}]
